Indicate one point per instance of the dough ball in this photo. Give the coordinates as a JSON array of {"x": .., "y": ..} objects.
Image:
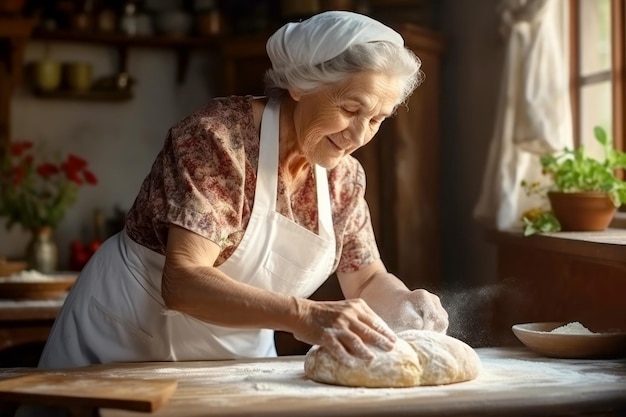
[
  {"x": 396, "y": 368},
  {"x": 419, "y": 357},
  {"x": 443, "y": 359}
]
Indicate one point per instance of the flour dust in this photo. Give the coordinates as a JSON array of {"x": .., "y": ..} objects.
[{"x": 470, "y": 312}]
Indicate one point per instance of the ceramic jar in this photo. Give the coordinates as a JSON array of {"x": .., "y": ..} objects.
[
  {"x": 47, "y": 75},
  {"x": 41, "y": 252},
  {"x": 78, "y": 76}
]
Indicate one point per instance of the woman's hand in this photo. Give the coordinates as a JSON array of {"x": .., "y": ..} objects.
[
  {"x": 415, "y": 310},
  {"x": 401, "y": 308},
  {"x": 344, "y": 328}
]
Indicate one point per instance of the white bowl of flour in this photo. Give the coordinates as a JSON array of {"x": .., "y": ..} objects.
[{"x": 571, "y": 340}]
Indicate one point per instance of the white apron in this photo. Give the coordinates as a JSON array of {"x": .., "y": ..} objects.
[{"x": 115, "y": 312}]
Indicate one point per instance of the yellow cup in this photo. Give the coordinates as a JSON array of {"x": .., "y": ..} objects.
[
  {"x": 47, "y": 74},
  {"x": 78, "y": 76}
]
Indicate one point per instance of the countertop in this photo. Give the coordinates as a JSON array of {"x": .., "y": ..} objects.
[
  {"x": 19, "y": 310},
  {"x": 513, "y": 382}
]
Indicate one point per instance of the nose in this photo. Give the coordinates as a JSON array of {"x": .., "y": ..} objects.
[{"x": 355, "y": 134}]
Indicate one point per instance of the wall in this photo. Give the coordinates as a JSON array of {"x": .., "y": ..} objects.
[
  {"x": 119, "y": 139},
  {"x": 122, "y": 139}
]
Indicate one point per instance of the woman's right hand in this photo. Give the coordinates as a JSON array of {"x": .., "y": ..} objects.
[{"x": 344, "y": 328}]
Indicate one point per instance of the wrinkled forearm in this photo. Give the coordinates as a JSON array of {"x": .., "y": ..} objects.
[
  {"x": 380, "y": 291},
  {"x": 208, "y": 294},
  {"x": 401, "y": 308}
]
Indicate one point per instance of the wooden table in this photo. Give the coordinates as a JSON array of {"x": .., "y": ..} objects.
[
  {"x": 513, "y": 382},
  {"x": 24, "y": 328}
]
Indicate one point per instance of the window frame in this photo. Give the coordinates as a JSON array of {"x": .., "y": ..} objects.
[{"x": 618, "y": 70}]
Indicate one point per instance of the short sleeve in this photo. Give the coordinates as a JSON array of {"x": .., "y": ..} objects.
[
  {"x": 203, "y": 177},
  {"x": 200, "y": 179}
]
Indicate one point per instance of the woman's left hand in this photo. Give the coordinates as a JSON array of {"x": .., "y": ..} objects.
[
  {"x": 417, "y": 309},
  {"x": 401, "y": 308}
]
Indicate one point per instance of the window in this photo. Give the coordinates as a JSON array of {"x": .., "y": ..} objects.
[{"x": 597, "y": 70}]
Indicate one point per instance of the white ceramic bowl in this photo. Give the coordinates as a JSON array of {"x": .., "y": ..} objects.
[{"x": 538, "y": 338}]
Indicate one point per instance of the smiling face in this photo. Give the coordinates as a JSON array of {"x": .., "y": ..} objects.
[{"x": 337, "y": 120}]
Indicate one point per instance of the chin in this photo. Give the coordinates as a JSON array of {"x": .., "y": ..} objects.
[{"x": 329, "y": 163}]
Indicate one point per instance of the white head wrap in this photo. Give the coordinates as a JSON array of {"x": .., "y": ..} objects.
[{"x": 323, "y": 37}]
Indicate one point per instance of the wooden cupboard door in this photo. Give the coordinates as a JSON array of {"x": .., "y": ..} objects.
[
  {"x": 402, "y": 169},
  {"x": 245, "y": 63}
]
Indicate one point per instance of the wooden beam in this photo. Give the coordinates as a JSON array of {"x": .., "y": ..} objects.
[{"x": 14, "y": 33}]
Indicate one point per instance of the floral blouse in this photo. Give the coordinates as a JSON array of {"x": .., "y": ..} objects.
[{"x": 204, "y": 180}]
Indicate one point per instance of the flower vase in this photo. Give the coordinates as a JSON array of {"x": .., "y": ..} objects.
[{"x": 41, "y": 252}]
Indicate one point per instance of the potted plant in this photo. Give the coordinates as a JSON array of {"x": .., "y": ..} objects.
[{"x": 583, "y": 192}]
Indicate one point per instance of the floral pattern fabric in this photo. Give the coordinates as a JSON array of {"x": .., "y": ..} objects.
[{"x": 204, "y": 180}]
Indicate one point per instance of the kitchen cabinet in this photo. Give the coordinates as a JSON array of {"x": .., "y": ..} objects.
[{"x": 565, "y": 276}]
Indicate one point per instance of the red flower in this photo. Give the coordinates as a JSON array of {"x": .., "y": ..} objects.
[
  {"x": 28, "y": 160},
  {"x": 73, "y": 164},
  {"x": 18, "y": 148},
  {"x": 90, "y": 177},
  {"x": 74, "y": 177},
  {"x": 47, "y": 169},
  {"x": 18, "y": 175}
]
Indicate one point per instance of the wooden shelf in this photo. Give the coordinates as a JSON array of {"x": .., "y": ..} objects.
[
  {"x": 120, "y": 39},
  {"x": 92, "y": 95},
  {"x": 181, "y": 45}
]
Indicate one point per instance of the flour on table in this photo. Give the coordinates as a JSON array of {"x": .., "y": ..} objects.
[
  {"x": 276, "y": 383},
  {"x": 27, "y": 276},
  {"x": 574, "y": 327}
]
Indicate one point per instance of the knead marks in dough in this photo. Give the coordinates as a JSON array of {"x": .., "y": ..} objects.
[{"x": 419, "y": 357}]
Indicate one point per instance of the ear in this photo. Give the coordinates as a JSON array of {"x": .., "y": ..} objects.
[{"x": 295, "y": 95}]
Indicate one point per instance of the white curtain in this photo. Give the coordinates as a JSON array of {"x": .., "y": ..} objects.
[{"x": 533, "y": 115}]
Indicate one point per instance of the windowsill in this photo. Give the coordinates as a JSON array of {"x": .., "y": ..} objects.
[
  {"x": 607, "y": 247},
  {"x": 619, "y": 221}
]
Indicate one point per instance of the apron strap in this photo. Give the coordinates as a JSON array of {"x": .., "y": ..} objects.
[
  {"x": 267, "y": 172},
  {"x": 324, "y": 211}
]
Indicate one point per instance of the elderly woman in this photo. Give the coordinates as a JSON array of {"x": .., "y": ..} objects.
[{"x": 249, "y": 207}]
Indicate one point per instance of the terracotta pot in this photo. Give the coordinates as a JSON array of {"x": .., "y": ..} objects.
[{"x": 582, "y": 211}]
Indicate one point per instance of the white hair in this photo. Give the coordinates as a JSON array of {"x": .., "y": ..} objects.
[{"x": 379, "y": 56}]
